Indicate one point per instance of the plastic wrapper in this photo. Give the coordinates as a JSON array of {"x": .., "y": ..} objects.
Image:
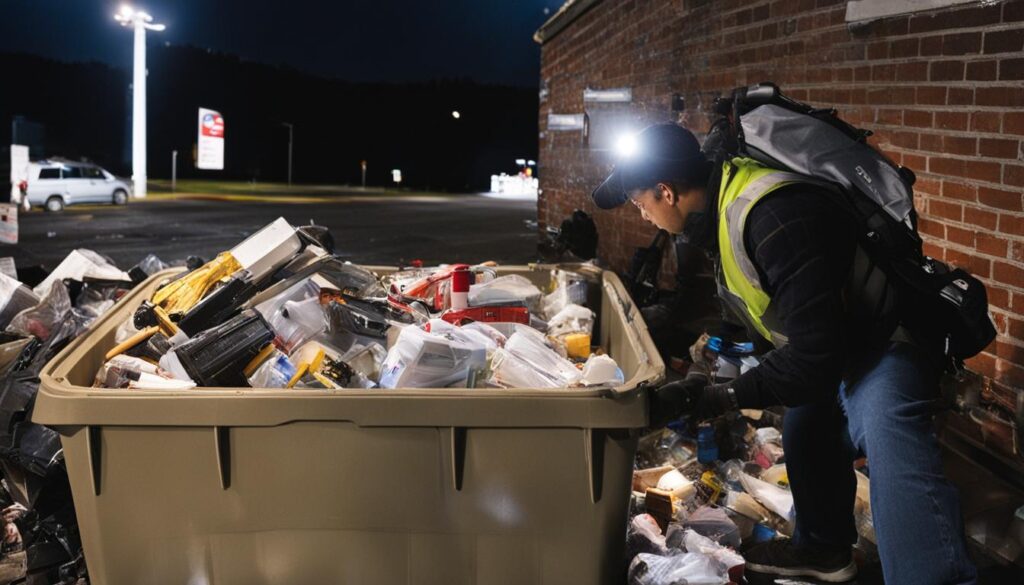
[
  {"x": 366, "y": 360},
  {"x": 46, "y": 317},
  {"x": 15, "y": 297},
  {"x": 531, "y": 347},
  {"x": 468, "y": 335},
  {"x": 423, "y": 360},
  {"x": 79, "y": 265},
  {"x": 150, "y": 265},
  {"x": 644, "y": 536},
  {"x": 506, "y": 290},
  {"x": 683, "y": 569},
  {"x": 776, "y": 475},
  {"x": 295, "y": 315},
  {"x": 570, "y": 289},
  {"x": 773, "y": 497},
  {"x": 352, "y": 280},
  {"x": 694, "y": 542},
  {"x": 714, "y": 523},
  {"x": 497, "y": 338},
  {"x": 601, "y": 370},
  {"x": 571, "y": 319},
  {"x": 115, "y": 373},
  {"x": 508, "y": 370},
  {"x": 275, "y": 372}
]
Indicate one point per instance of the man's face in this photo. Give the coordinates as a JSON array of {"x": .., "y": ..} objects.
[{"x": 664, "y": 208}]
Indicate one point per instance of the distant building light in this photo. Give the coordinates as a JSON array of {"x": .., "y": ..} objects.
[
  {"x": 456, "y": 114},
  {"x": 565, "y": 121},
  {"x": 521, "y": 162}
]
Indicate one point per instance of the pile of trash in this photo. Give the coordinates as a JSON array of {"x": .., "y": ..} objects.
[
  {"x": 38, "y": 317},
  {"x": 279, "y": 310},
  {"x": 704, "y": 491}
]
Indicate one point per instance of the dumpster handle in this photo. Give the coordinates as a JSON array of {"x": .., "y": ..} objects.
[
  {"x": 93, "y": 444},
  {"x": 222, "y": 444},
  {"x": 593, "y": 447},
  {"x": 457, "y": 453}
]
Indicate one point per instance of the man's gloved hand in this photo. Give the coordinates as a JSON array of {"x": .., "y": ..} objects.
[{"x": 690, "y": 396}]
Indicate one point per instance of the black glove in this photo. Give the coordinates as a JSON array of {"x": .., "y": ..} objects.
[{"x": 690, "y": 396}]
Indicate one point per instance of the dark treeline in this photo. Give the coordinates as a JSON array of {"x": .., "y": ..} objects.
[{"x": 86, "y": 107}]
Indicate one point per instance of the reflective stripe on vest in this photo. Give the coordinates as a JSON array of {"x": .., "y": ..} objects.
[{"x": 744, "y": 183}]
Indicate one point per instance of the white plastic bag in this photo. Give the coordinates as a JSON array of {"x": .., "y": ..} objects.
[
  {"x": 685, "y": 569},
  {"x": 78, "y": 265},
  {"x": 511, "y": 288},
  {"x": 571, "y": 319},
  {"x": 532, "y": 348},
  {"x": 571, "y": 288},
  {"x": 15, "y": 297},
  {"x": 421, "y": 360},
  {"x": 275, "y": 372},
  {"x": 695, "y": 543},
  {"x": 508, "y": 370},
  {"x": 295, "y": 315},
  {"x": 773, "y": 497},
  {"x": 42, "y": 319}
]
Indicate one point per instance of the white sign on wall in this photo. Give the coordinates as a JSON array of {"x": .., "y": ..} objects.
[
  {"x": 211, "y": 140},
  {"x": 19, "y": 171}
]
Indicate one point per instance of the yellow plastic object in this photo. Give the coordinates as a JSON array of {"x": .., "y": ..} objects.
[
  {"x": 259, "y": 359},
  {"x": 140, "y": 337},
  {"x": 299, "y": 373},
  {"x": 182, "y": 294},
  {"x": 577, "y": 345},
  {"x": 711, "y": 480}
]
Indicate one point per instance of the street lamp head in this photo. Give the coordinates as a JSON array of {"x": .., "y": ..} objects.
[
  {"x": 129, "y": 16},
  {"x": 156, "y": 27}
]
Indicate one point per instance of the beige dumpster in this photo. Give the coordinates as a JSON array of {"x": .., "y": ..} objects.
[{"x": 449, "y": 486}]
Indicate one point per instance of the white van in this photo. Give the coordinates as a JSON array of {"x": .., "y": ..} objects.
[{"x": 55, "y": 184}]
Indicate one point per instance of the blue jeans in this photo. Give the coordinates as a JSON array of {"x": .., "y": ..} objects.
[{"x": 885, "y": 411}]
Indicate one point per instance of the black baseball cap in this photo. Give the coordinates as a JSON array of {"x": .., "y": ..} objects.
[{"x": 664, "y": 152}]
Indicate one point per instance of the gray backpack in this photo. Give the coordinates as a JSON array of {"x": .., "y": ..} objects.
[{"x": 761, "y": 123}]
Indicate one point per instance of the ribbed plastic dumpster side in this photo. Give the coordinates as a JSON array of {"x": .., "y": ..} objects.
[{"x": 413, "y": 486}]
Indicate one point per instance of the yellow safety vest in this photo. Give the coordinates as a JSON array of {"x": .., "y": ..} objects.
[{"x": 744, "y": 183}]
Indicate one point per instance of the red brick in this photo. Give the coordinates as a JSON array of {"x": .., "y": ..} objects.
[
  {"x": 962, "y": 18},
  {"x": 914, "y": 162},
  {"x": 998, "y": 296},
  {"x": 961, "y": 43},
  {"x": 1013, "y": 175},
  {"x": 916, "y": 71},
  {"x": 983, "y": 171},
  {"x": 996, "y": 148},
  {"x": 1013, "y": 11},
  {"x": 918, "y": 118},
  {"x": 946, "y": 210},
  {"x": 903, "y": 139},
  {"x": 904, "y": 48},
  {"x": 931, "y": 142},
  {"x": 1016, "y": 328},
  {"x": 1010, "y": 374},
  {"x": 1009, "y": 97},
  {"x": 931, "y": 46},
  {"x": 960, "y": 236},
  {"x": 983, "y": 364},
  {"x": 960, "y": 145},
  {"x": 1004, "y": 41},
  {"x": 980, "y": 267},
  {"x": 946, "y": 71},
  {"x": 927, "y": 186},
  {"x": 932, "y": 96},
  {"x": 1017, "y": 255},
  {"x": 933, "y": 250},
  {"x": 1011, "y": 224},
  {"x": 989, "y": 122},
  {"x": 960, "y": 96},
  {"x": 931, "y": 228},
  {"x": 991, "y": 245},
  {"x": 1011, "y": 69},
  {"x": 1007, "y": 273},
  {"x": 961, "y": 191},
  {"x": 982, "y": 70},
  {"x": 889, "y": 117},
  {"x": 1006, "y": 200},
  {"x": 981, "y": 218},
  {"x": 951, "y": 120},
  {"x": 1013, "y": 123},
  {"x": 879, "y": 50}
]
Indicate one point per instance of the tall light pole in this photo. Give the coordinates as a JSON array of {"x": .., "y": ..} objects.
[
  {"x": 290, "y": 128},
  {"x": 141, "y": 22}
]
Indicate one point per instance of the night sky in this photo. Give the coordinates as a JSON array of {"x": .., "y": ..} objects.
[{"x": 358, "y": 40}]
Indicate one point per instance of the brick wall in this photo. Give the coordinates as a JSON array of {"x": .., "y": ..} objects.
[{"x": 942, "y": 90}]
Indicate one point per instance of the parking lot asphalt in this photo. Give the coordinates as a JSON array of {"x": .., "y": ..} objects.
[{"x": 367, "y": 229}]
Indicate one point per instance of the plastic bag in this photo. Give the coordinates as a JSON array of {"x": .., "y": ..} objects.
[
  {"x": 421, "y": 360},
  {"x": 601, "y": 370},
  {"x": 15, "y": 297},
  {"x": 571, "y": 319},
  {"x": 295, "y": 315},
  {"x": 644, "y": 536},
  {"x": 773, "y": 497},
  {"x": 505, "y": 290},
  {"x": 508, "y": 370},
  {"x": 275, "y": 372},
  {"x": 150, "y": 265},
  {"x": 715, "y": 524},
  {"x": 531, "y": 347},
  {"x": 44, "y": 318},
  {"x": 683, "y": 569},
  {"x": 79, "y": 265},
  {"x": 696, "y": 543},
  {"x": 366, "y": 360},
  {"x": 570, "y": 289}
]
